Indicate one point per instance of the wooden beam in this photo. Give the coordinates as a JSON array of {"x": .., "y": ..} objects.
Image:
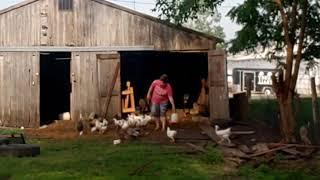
[{"x": 75, "y": 49}]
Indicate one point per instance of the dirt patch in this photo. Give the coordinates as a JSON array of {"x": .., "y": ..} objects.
[{"x": 188, "y": 131}]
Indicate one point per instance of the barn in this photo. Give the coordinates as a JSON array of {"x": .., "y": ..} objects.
[{"x": 64, "y": 55}]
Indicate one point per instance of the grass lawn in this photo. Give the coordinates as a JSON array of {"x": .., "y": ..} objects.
[{"x": 99, "y": 159}]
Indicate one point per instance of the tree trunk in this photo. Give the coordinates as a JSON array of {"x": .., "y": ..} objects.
[
  {"x": 287, "y": 118},
  {"x": 315, "y": 112}
]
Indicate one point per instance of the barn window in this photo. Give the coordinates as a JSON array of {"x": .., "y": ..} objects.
[{"x": 65, "y": 4}]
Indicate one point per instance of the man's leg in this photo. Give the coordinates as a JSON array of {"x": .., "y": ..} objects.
[
  {"x": 157, "y": 121},
  {"x": 163, "y": 118},
  {"x": 163, "y": 122},
  {"x": 155, "y": 112}
]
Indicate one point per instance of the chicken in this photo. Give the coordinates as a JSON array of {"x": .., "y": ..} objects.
[
  {"x": 143, "y": 106},
  {"x": 171, "y": 134},
  {"x": 99, "y": 126},
  {"x": 121, "y": 123},
  {"x": 80, "y": 125},
  {"x": 134, "y": 132},
  {"x": 138, "y": 121},
  {"x": 65, "y": 116},
  {"x": 223, "y": 134},
  {"x": 104, "y": 122},
  {"x": 304, "y": 135}
]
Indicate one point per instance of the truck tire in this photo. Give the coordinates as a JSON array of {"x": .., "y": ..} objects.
[
  {"x": 19, "y": 150},
  {"x": 267, "y": 92}
]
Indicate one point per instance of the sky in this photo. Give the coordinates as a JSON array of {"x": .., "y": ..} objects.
[{"x": 145, "y": 6}]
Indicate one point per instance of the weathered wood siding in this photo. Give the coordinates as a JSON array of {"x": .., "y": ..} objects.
[
  {"x": 21, "y": 26},
  {"x": 91, "y": 23},
  {"x": 88, "y": 82},
  {"x": 218, "y": 88},
  {"x": 19, "y": 89}
]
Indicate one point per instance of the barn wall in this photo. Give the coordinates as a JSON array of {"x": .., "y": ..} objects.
[
  {"x": 21, "y": 26},
  {"x": 88, "y": 81},
  {"x": 19, "y": 89},
  {"x": 91, "y": 23}
]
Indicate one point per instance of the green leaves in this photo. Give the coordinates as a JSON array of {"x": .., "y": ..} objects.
[{"x": 180, "y": 11}]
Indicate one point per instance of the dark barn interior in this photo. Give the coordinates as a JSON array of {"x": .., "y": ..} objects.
[
  {"x": 185, "y": 71},
  {"x": 55, "y": 85}
]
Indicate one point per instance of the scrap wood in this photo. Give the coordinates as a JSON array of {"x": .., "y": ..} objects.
[
  {"x": 260, "y": 147},
  {"x": 296, "y": 145},
  {"x": 140, "y": 168},
  {"x": 192, "y": 138},
  {"x": 190, "y": 141},
  {"x": 308, "y": 152},
  {"x": 231, "y": 152},
  {"x": 243, "y": 132},
  {"x": 271, "y": 150},
  {"x": 198, "y": 148},
  {"x": 236, "y": 160},
  {"x": 209, "y": 131},
  {"x": 291, "y": 151},
  {"x": 244, "y": 148}
]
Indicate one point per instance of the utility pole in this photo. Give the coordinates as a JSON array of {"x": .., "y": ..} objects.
[{"x": 134, "y": 4}]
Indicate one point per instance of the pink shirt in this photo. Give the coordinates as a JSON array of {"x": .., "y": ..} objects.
[{"x": 160, "y": 92}]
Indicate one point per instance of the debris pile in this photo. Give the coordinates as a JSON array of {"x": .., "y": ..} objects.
[{"x": 237, "y": 154}]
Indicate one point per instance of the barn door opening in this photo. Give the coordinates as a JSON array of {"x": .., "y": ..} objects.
[
  {"x": 185, "y": 71},
  {"x": 55, "y": 85}
]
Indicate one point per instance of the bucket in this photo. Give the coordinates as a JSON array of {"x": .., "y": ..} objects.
[{"x": 174, "y": 118}]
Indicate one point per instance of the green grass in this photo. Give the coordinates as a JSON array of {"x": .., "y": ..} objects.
[
  {"x": 264, "y": 172},
  {"x": 99, "y": 159},
  {"x": 10, "y": 131}
]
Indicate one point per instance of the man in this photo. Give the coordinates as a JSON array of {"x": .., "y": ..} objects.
[{"x": 160, "y": 93}]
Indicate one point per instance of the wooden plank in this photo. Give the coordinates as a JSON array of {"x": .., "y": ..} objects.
[
  {"x": 2, "y": 89},
  {"x": 75, "y": 49},
  {"x": 209, "y": 131},
  {"x": 111, "y": 87},
  {"x": 272, "y": 150},
  {"x": 218, "y": 88},
  {"x": 198, "y": 148}
]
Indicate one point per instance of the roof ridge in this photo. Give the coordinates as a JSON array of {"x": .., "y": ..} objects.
[{"x": 16, "y": 6}]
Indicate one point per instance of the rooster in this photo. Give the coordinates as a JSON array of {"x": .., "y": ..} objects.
[
  {"x": 223, "y": 134},
  {"x": 171, "y": 134}
]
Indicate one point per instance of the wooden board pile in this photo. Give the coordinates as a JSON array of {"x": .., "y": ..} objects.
[{"x": 237, "y": 154}]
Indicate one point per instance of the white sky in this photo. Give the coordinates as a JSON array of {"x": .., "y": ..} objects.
[{"x": 145, "y": 6}]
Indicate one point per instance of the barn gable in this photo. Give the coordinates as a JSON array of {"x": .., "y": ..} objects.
[{"x": 92, "y": 23}]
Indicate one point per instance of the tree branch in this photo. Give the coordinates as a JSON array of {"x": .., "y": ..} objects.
[
  {"x": 294, "y": 20},
  {"x": 290, "y": 47},
  {"x": 300, "y": 46},
  {"x": 285, "y": 20}
]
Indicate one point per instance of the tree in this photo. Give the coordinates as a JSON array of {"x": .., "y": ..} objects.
[
  {"x": 290, "y": 26},
  {"x": 206, "y": 23}
]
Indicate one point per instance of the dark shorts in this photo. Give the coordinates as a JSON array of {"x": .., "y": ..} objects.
[{"x": 158, "y": 110}]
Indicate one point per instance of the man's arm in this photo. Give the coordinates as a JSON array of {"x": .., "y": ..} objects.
[{"x": 172, "y": 103}]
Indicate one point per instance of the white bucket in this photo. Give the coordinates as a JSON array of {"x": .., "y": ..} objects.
[{"x": 174, "y": 118}]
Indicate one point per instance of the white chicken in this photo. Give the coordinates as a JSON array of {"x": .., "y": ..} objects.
[
  {"x": 104, "y": 122},
  {"x": 171, "y": 134},
  {"x": 223, "y": 134},
  {"x": 100, "y": 126},
  {"x": 121, "y": 123},
  {"x": 138, "y": 121}
]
